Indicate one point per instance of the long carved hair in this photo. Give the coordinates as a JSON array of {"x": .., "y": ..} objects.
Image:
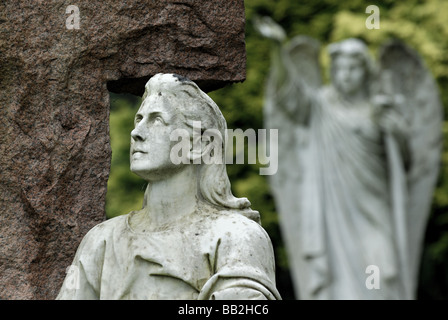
[{"x": 195, "y": 105}]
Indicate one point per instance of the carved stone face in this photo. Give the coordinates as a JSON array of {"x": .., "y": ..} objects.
[
  {"x": 150, "y": 139},
  {"x": 349, "y": 74}
]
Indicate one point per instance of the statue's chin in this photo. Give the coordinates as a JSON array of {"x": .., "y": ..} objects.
[
  {"x": 144, "y": 171},
  {"x": 347, "y": 92},
  {"x": 154, "y": 173}
]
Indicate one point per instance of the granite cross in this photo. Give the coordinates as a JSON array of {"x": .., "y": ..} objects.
[{"x": 58, "y": 62}]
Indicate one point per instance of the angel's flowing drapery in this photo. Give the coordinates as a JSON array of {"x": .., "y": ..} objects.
[{"x": 342, "y": 187}]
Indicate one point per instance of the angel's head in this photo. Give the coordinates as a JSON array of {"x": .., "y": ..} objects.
[{"x": 352, "y": 69}]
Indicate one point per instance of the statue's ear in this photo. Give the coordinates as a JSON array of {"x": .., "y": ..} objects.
[
  {"x": 196, "y": 148},
  {"x": 206, "y": 147}
]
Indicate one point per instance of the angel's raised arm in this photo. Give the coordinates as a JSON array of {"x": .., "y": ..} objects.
[{"x": 295, "y": 73}]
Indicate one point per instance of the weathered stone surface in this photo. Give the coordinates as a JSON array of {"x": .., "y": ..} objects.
[{"x": 54, "y": 141}]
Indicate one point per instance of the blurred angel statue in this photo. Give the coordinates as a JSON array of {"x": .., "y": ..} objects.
[{"x": 358, "y": 163}]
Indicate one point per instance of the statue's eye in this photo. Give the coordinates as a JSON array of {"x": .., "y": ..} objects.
[
  {"x": 138, "y": 118},
  {"x": 158, "y": 119}
]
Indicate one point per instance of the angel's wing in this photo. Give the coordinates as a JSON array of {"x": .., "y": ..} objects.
[{"x": 422, "y": 105}]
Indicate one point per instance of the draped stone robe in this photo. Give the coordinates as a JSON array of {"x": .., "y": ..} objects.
[
  {"x": 347, "y": 200},
  {"x": 219, "y": 255}
]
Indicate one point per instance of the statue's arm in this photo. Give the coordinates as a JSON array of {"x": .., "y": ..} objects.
[
  {"x": 243, "y": 266},
  {"x": 82, "y": 281},
  {"x": 294, "y": 74},
  {"x": 394, "y": 124},
  {"x": 289, "y": 90}
]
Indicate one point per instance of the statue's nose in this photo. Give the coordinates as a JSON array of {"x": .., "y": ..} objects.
[
  {"x": 136, "y": 135},
  {"x": 345, "y": 74}
]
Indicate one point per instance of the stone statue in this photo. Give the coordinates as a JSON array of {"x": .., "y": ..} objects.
[
  {"x": 192, "y": 239},
  {"x": 358, "y": 162}
]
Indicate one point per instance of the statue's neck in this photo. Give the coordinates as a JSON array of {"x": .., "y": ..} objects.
[
  {"x": 354, "y": 98},
  {"x": 168, "y": 200}
]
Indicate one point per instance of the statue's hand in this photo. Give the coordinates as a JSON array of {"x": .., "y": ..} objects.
[
  {"x": 382, "y": 101},
  {"x": 393, "y": 122},
  {"x": 269, "y": 28}
]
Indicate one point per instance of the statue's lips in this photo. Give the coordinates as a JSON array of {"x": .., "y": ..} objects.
[{"x": 138, "y": 151}]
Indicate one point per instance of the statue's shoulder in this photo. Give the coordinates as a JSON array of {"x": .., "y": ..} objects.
[
  {"x": 237, "y": 226},
  {"x": 235, "y": 236},
  {"x": 104, "y": 229},
  {"x": 327, "y": 91},
  {"x": 325, "y": 95}
]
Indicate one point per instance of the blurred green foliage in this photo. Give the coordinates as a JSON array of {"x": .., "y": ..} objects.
[
  {"x": 124, "y": 189},
  {"x": 421, "y": 24}
]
